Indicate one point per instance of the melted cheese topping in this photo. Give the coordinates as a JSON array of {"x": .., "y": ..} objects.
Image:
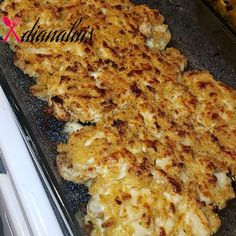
[
  {"x": 71, "y": 127},
  {"x": 157, "y": 159}
]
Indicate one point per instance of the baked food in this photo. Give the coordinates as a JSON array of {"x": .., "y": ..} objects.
[{"x": 158, "y": 141}]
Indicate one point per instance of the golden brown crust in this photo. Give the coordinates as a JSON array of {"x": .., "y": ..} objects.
[
  {"x": 119, "y": 32},
  {"x": 158, "y": 158}
]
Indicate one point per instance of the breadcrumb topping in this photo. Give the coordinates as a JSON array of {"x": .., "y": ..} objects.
[{"x": 162, "y": 146}]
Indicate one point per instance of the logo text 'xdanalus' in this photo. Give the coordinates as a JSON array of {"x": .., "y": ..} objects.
[{"x": 11, "y": 25}]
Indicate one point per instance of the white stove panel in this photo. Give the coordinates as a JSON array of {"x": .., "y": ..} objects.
[
  {"x": 26, "y": 183},
  {"x": 13, "y": 220}
]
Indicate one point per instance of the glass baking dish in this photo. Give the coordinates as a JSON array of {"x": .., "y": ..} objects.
[
  {"x": 225, "y": 11},
  {"x": 195, "y": 31}
]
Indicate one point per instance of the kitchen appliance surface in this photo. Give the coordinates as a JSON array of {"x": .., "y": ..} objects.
[{"x": 195, "y": 31}]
